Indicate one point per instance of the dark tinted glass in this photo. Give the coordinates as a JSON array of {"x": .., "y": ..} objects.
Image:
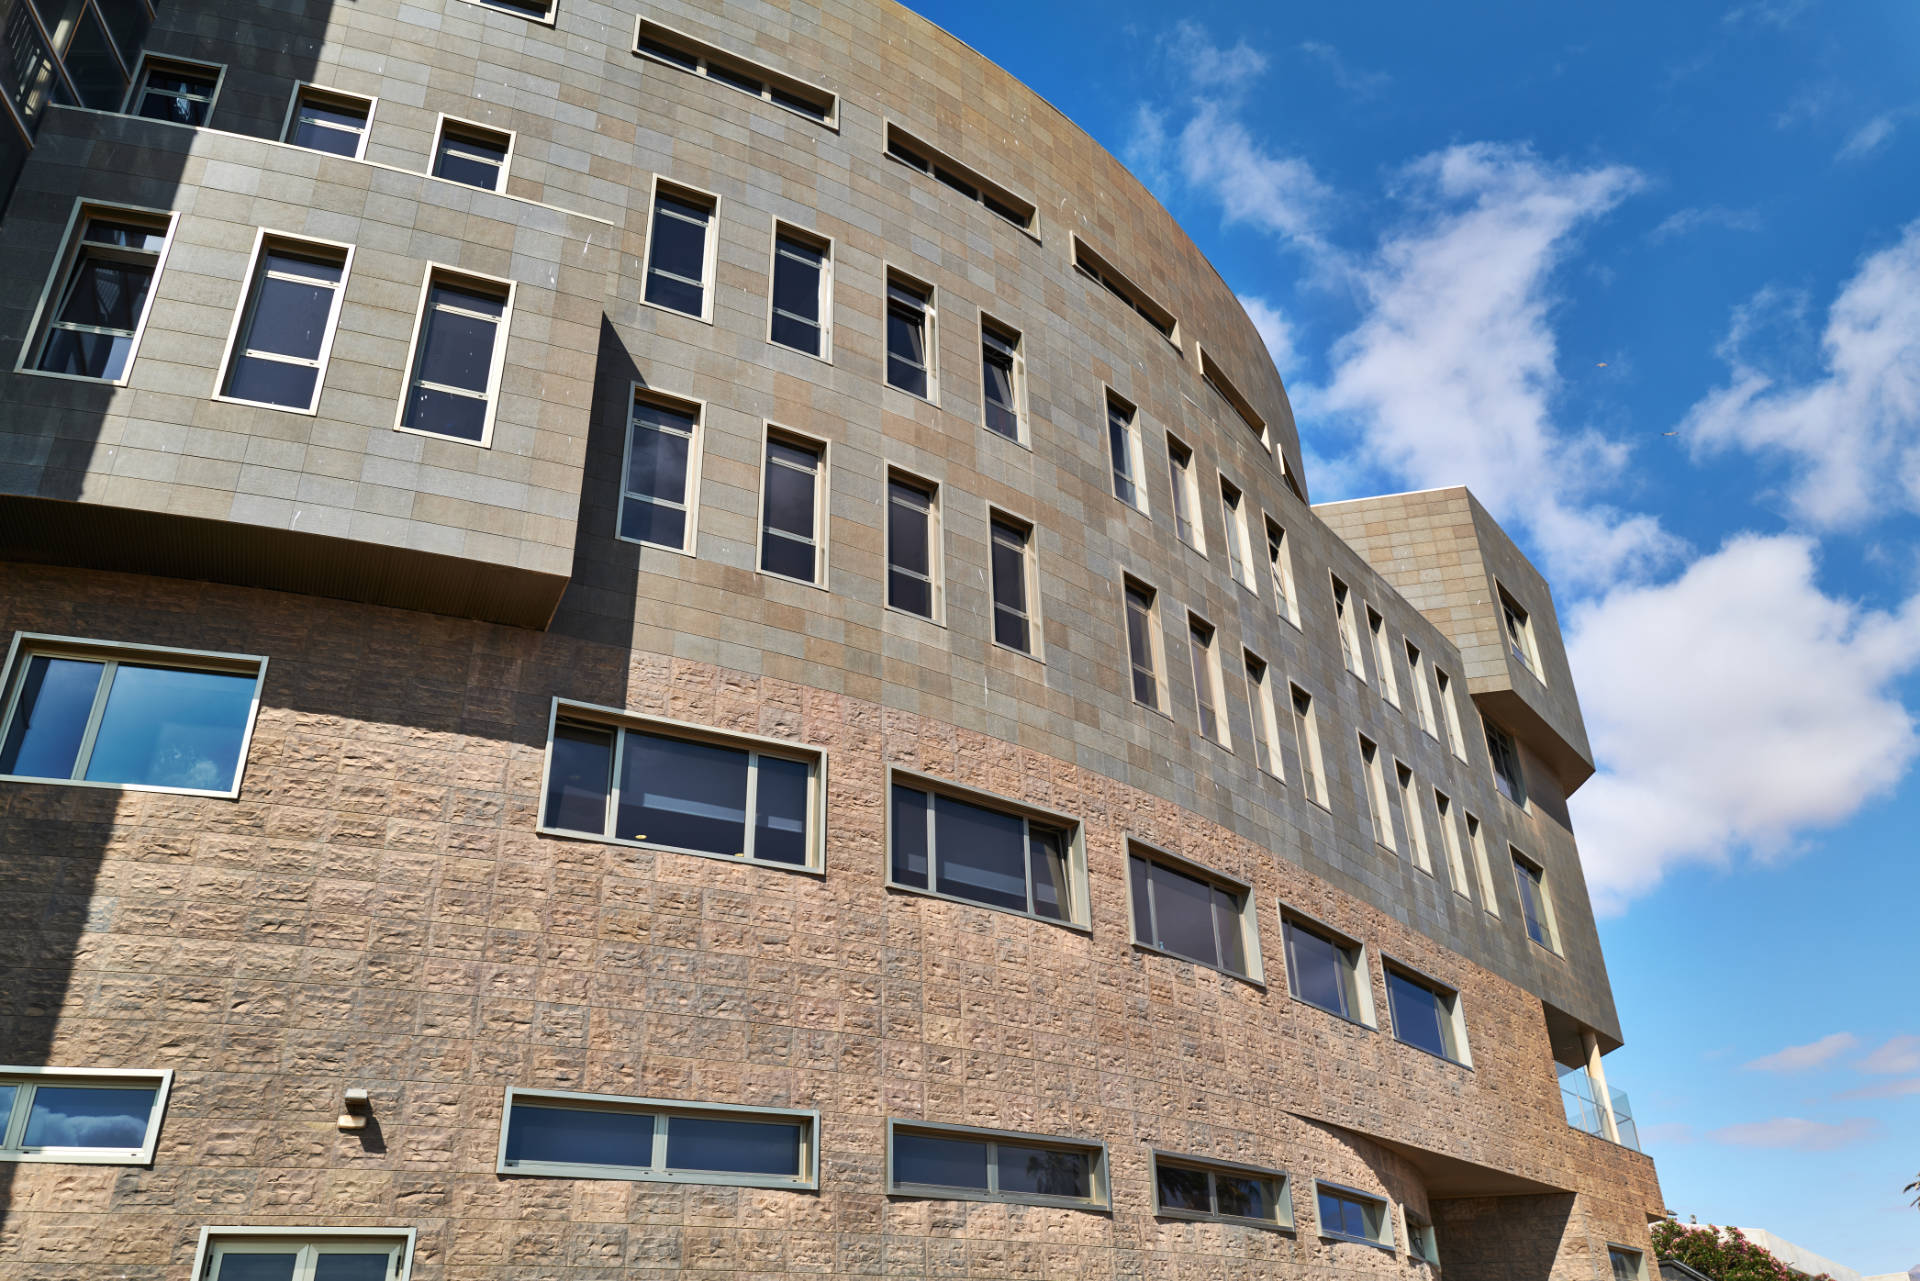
[
  {"x": 939, "y": 1162},
  {"x": 358, "y": 1266},
  {"x": 1626, "y": 1267},
  {"x": 1121, "y": 451},
  {"x": 909, "y": 836},
  {"x": 1418, "y": 1016},
  {"x": 1343, "y": 1216},
  {"x": 79, "y": 1117},
  {"x": 473, "y": 161},
  {"x": 175, "y": 96},
  {"x": 906, "y": 342},
  {"x": 271, "y": 382},
  {"x": 1529, "y": 885},
  {"x": 446, "y": 413},
  {"x": 33, "y": 82},
  {"x": 657, "y": 456},
  {"x": 96, "y": 72},
  {"x": 980, "y": 854},
  {"x": 1318, "y": 970},
  {"x": 1047, "y": 856},
  {"x": 651, "y": 523},
  {"x": 579, "y": 1136},
  {"x": 805, "y": 106},
  {"x": 128, "y": 20},
  {"x": 997, "y": 378},
  {"x": 164, "y": 727},
  {"x": 679, "y": 250},
  {"x": 1045, "y": 1171},
  {"x": 107, "y": 294},
  {"x": 86, "y": 355},
  {"x": 790, "y": 489},
  {"x": 1010, "y": 586},
  {"x": 733, "y": 1147},
  {"x": 788, "y": 557},
  {"x": 1184, "y": 1190},
  {"x": 256, "y": 1267},
  {"x": 457, "y": 350},
  {"x": 796, "y": 295},
  {"x": 1183, "y": 915},
  {"x": 738, "y": 79},
  {"x": 902, "y": 152},
  {"x": 955, "y": 181},
  {"x": 56, "y": 698},
  {"x": 908, "y": 569},
  {"x": 1244, "y": 1198},
  {"x": 323, "y": 126},
  {"x": 1226, "y": 926},
  {"x": 1018, "y": 217},
  {"x": 289, "y": 318},
  {"x": 579, "y": 778},
  {"x": 668, "y": 53},
  {"x": 780, "y": 823},
  {"x": 691, "y": 796}
]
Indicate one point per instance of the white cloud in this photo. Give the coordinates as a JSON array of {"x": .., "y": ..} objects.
[
  {"x": 1683, "y": 221},
  {"x": 1775, "y": 13},
  {"x": 1883, "y": 1090},
  {"x": 1798, "y": 1058},
  {"x": 1275, "y": 330},
  {"x": 1795, "y": 1132},
  {"x": 1851, "y": 431},
  {"x": 1207, "y": 64},
  {"x": 1900, "y": 1054},
  {"x": 1869, "y": 137},
  {"x": 1254, "y": 185},
  {"x": 1361, "y": 84},
  {"x": 1731, "y": 709}
]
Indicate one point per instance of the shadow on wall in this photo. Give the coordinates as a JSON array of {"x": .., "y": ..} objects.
[{"x": 1507, "y": 1238}]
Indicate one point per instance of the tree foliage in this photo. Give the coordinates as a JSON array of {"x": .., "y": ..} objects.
[{"x": 1723, "y": 1256}]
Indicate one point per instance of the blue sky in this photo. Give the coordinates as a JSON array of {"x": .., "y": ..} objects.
[{"x": 1647, "y": 277}]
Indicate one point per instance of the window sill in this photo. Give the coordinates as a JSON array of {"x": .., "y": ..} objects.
[
  {"x": 827, "y": 359},
  {"x": 1343, "y": 1239},
  {"x": 81, "y": 1156},
  {"x": 614, "y": 1172},
  {"x": 78, "y": 378},
  {"x": 931, "y": 398},
  {"x": 1024, "y": 440},
  {"x": 1163, "y": 715},
  {"x": 1028, "y": 654},
  {"x": 485, "y": 441},
  {"x": 310, "y": 412},
  {"x": 921, "y": 892},
  {"x": 1196, "y": 1216},
  {"x": 659, "y": 547},
  {"x": 705, "y": 318},
  {"x": 925, "y": 1193},
  {"x": 1248, "y": 979},
  {"x": 1344, "y": 1018},
  {"x": 1465, "y": 1067},
  {"x": 231, "y": 795},
  {"x": 930, "y": 620},
  {"x": 560, "y": 833},
  {"x": 513, "y": 12},
  {"x": 788, "y": 578}
]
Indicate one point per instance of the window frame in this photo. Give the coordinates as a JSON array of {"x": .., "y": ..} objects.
[
  {"x": 1156, "y": 643},
  {"x": 1516, "y": 629},
  {"x": 704, "y": 55},
  {"x": 923, "y": 158},
  {"x": 1248, "y": 910},
  {"x": 1095, "y": 267},
  {"x": 1525, "y": 866},
  {"x": 1016, "y": 344},
  {"x": 807, "y": 1181},
  {"x": 1419, "y": 1228},
  {"x": 1306, "y": 746},
  {"x": 1183, "y": 488},
  {"x": 1114, "y": 403},
  {"x": 301, "y": 90},
  {"x": 1264, "y": 717},
  {"x": 1216, "y": 378},
  {"x": 709, "y": 250},
  {"x": 618, "y": 719},
  {"x": 265, "y": 239},
  {"x": 548, "y": 16},
  {"x": 55, "y": 288},
  {"x": 29, "y": 644},
  {"x": 474, "y": 282},
  {"x": 771, "y": 431},
  {"x": 824, "y": 246},
  {"x": 1346, "y": 607},
  {"x": 929, "y": 299},
  {"x": 1099, "y": 1175},
  {"x": 14, "y": 1123},
  {"x": 639, "y": 393},
  {"x": 1447, "y": 815},
  {"x": 475, "y": 131},
  {"x": 1383, "y": 657},
  {"x": 1482, "y": 862},
  {"x": 1079, "y": 887},
  {"x": 1030, "y": 582},
  {"x": 1385, "y": 1241},
  {"x": 936, "y": 545},
  {"x": 1449, "y": 712},
  {"x": 1422, "y": 697},
  {"x": 1511, "y": 786},
  {"x": 212, "y": 1237},
  {"x": 1212, "y": 1166},
  {"x": 1412, "y": 815},
  {"x": 1639, "y": 1259},
  {"x": 137, "y": 88},
  {"x": 1239, "y": 542},
  {"x": 1373, "y": 781},
  {"x": 1452, "y": 1005},
  {"x": 1280, "y": 572},
  {"x": 1359, "y": 969},
  {"x": 1209, "y": 686}
]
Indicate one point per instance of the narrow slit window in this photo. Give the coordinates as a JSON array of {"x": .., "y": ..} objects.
[
  {"x": 675, "y": 49},
  {"x": 1262, "y": 720},
  {"x": 1383, "y": 657},
  {"x": 1179, "y": 911},
  {"x": 1536, "y": 909},
  {"x": 1508, "y": 776},
  {"x": 1108, "y": 278},
  {"x": 1280, "y": 570},
  {"x": 910, "y": 336},
  {"x": 922, "y": 158},
  {"x": 1477, "y": 845},
  {"x": 963, "y": 1163},
  {"x": 1450, "y": 712},
  {"x": 1143, "y": 644},
  {"x": 1422, "y": 699},
  {"x": 1233, "y": 518},
  {"x": 1306, "y": 744},
  {"x": 656, "y": 496},
  {"x": 1326, "y": 971},
  {"x": 1123, "y": 452},
  {"x": 472, "y": 155},
  {"x": 980, "y": 854},
  {"x": 1349, "y": 630},
  {"x": 1425, "y": 1015},
  {"x": 336, "y": 123},
  {"x": 1186, "y": 495},
  {"x": 1206, "y": 680},
  {"x": 680, "y": 252},
  {"x": 1012, "y": 584},
  {"x": 1349, "y": 1215},
  {"x": 596, "y": 1136},
  {"x": 81, "y": 1116},
  {"x": 1002, "y": 379},
  {"x": 97, "y": 300},
  {"x": 1217, "y": 379},
  {"x": 1519, "y": 632},
  {"x": 180, "y": 93},
  {"x": 802, "y": 292},
  {"x": 1374, "y": 782},
  {"x": 1450, "y": 842},
  {"x": 459, "y": 351},
  {"x": 1416, "y": 822},
  {"x": 1189, "y": 1188},
  {"x": 913, "y": 546},
  {"x": 538, "y": 10},
  {"x": 285, "y": 330}
]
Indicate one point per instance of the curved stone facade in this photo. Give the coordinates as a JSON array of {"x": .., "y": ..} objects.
[{"x": 381, "y": 906}]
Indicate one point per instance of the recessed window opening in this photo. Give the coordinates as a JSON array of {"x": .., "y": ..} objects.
[
  {"x": 1012, "y": 583},
  {"x": 680, "y": 251},
  {"x": 1234, "y": 520},
  {"x": 472, "y": 155},
  {"x": 323, "y": 120},
  {"x": 97, "y": 299},
  {"x": 1625, "y": 1264},
  {"x": 1217, "y": 379},
  {"x": 1280, "y": 570},
  {"x": 1350, "y": 1215},
  {"x": 1450, "y": 713},
  {"x": 656, "y": 496},
  {"x": 910, "y": 336},
  {"x": 1123, "y": 451},
  {"x": 791, "y": 542},
  {"x": 1306, "y": 745},
  {"x": 1536, "y": 907},
  {"x": 1508, "y": 777},
  {"x": 1420, "y": 1239},
  {"x": 598, "y": 1136},
  {"x": 1143, "y": 643},
  {"x": 913, "y": 544},
  {"x": 1002, "y": 379},
  {"x": 1190, "y": 1188},
  {"x": 1115, "y": 283},
  {"x": 1425, "y": 1015},
  {"x": 97, "y": 69},
  {"x": 459, "y": 353},
  {"x": 299, "y": 1253},
  {"x": 1478, "y": 845},
  {"x": 1383, "y": 657},
  {"x": 1186, "y": 495},
  {"x": 1416, "y": 822},
  {"x": 961, "y": 1162},
  {"x": 1348, "y": 629},
  {"x": 1179, "y": 910},
  {"x": 1374, "y": 783},
  {"x": 975, "y": 852},
  {"x": 81, "y": 1116},
  {"x": 1519, "y": 633},
  {"x": 180, "y": 93},
  {"x": 285, "y": 331},
  {"x": 1206, "y": 679},
  {"x": 1422, "y": 700},
  {"x": 1262, "y": 720},
  {"x": 802, "y": 292},
  {"x": 1450, "y": 842},
  {"x": 917, "y": 155},
  {"x": 538, "y": 10},
  {"x": 675, "y": 49},
  {"x": 1326, "y": 971}
]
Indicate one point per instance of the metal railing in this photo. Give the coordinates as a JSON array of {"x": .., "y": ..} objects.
[{"x": 1584, "y": 1112}]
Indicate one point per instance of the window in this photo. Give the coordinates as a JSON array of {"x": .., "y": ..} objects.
[
  {"x": 681, "y": 789},
  {"x": 957, "y": 1162},
  {"x": 802, "y": 298},
  {"x": 1426, "y": 1015},
  {"x": 1306, "y": 745},
  {"x": 1234, "y": 521},
  {"x": 910, "y": 336},
  {"x": 1349, "y": 1215},
  {"x": 283, "y": 332},
  {"x": 1450, "y": 713},
  {"x": 1206, "y": 680},
  {"x": 94, "y": 65},
  {"x": 1422, "y": 700},
  {"x": 1383, "y": 658},
  {"x": 181, "y": 93},
  {"x": 1450, "y": 842},
  {"x": 1109, "y": 278},
  {"x": 1186, "y": 911},
  {"x": 1326, "y": 970},
  {"x": 1123, "y": 449},
  {"x": 987, "y": 854},
  {"x": 472, "y": 155},
  {"x": 81, "y": 1116},
  {"x": 913, "y": 546},
  {"x": 1626, "y": 1265},
  {"x": 459, "y": 351},
  {"x": 792, "y": 542},
  {"x": 660, "y": 471},
  {"x": 564, "y": 1134},
  {"x": 322, "y": 120},
  {"x": 1373, "y": 781},
  {"x": 1536, "y": 909},
  {"x": 1505, "y": 755},
  {"x": 1261, "y": 718},
  {"x": 1287, "y": 477},
  {"x": 664, "y": 45},
  {"x": 131, "y": 716},
  {"x": 1186, "y": 496},
  {"x": 1003, "y": 379},
  {"x": 1478, "y": 845},
  {"x": 1217, "y": 379},
  {"x": 915, "y": 154},
  {"x": 537, "y": 10},
  {"x": 680, "y": 251},
  {"x": 1192, "y": 1188},
  {"x": 1519, "y": 632},
  {"x": 1416, "y": 822},
  {"x": 1143, "y": 643},
  {"x": 1280, "y": 570},
  {"x": 1012, "y": 583},
  {"x": 1349, "y": 631},
  {"x": 91, "y": 316},
  {"x": 304, "y": 1254},
  {"x": 1420, "y": 1239}
]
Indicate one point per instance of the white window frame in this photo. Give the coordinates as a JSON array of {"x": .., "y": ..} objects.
[
  {"x": 1373, "y": 781},
  {"x": 1383, "y": 657},
  {"x": 1448, "y": 816},
  {"x": 478, "y": 283},
  {"x": 1452, "y": 1006},
  {"x": 1483, "y": 865},
  {"x": 263, "y": 239},
  {"x": 1385, "y": 1241},
  {"x": 1248, "y": 914},
  {"x": 1156, "y": 643},
  {"x": 148, "y": 60},
  {"x": 1306, "y": 745},
  {"x": 546, "y": 18},
  {"x": 1079, "y": 916},
  {"x": 936, "y": 544},
  {"x": 1513, "y": 789},
  {"x": 1265, "y": 720},
  {"x": 703, "y": 55},
  {"x": 1280, "y": 571},
  {"x": 770, "y": 430},
  {"x": 27, "y": 644},
  {"x": 1183, "y": 491},
  {"x": 1030, "y": 571},
  {"x": 1449, "y": 712},
  {"x": 696, "y": 448},
  {"x": 1283, "y": 1199},
  {"x": 322, "y": 94},
  {"x": 1415, "y": 819},
  {"x": 51, "y": 293},
  {"x": 460, "y": 124},
  {"x": 212, "y": 1239},
  {"x": 1239, "y": 548},
  {"x": 1136, "y": 450},
  {"x": 1017, "y": 341},
  {"x": 30, "y": 1078},
  {"x": 707, "y": 282},
  {"x": 1516, "y": 628},
  {"x": 1422, "y": 698},
  {"x": 825, "y": 246},
  {"x": 1100, "y": 1183},
  {"x": 1205, "y": 654},
  {"x": 808, "y": 1180},
  {"x": 1346, "y": 608},
  {"x": 893, "y": 277}
]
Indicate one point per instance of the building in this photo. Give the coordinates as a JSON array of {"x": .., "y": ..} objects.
[{"x": 656, "y": 640}]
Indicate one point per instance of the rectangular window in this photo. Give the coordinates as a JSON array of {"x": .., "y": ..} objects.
[
  {"x": 1536, "y": 908},
  {"x": 1327, "y": 971},
  {"x": 1234, "y": 520},
  {"x": 1422, "y": 700},
  {"x": 1123, "y": 450},
  {"x": 570, "y": 1135},
  {"x": 1373, "y": 779},
  {"x": 802, "y": 297},
  {"x": 955, "y": 1162},
  {"x": 95, "y": 306},
  {"x": 1206, "y": 680},
  {"x": 680, "y": 251},
  {"x": 1349, "y": 630},
  {"x": 681, "y": 789},
  {"x": 1186, "y": 911},
  {"x": 1280, "y": 572},
  {"x": 1625, "y": 1264},
  {"x": 323, "y": 120},
  {"x": 303, "y": 1254},
  {"x": 913, "y": 546},
  {"x": 910, "y": 337},
  {"x": 1450, "y": 713},
  {"x": 1217, "y": 379},
  {"x": 1420, "y": 1239},
  {"x": 1416, "y": 822},
  {"x": 1193, "y": 1188},
  {"x": 1519, "y": 632},
  {"x": 131, "y": 716},
  {"x": 1262, "y": 721},
  {"x": 1505, "y": 755},
  {"x": 1306, "y": 746},
  {"x": 664, "y": 45},
  {"x": 1110, "y": 279},
  {"x": 1426, "y": 1015},
  {"x": 1003, "y": 379},
  {"x": 1450, "y": 842},
  {"x": 472, "y": 155},
  {"x": 1186, "y": 496},
  {"x": 459, "y": 353},
  {"x": 1383, "y": 658},
  {"x": 792, "y": 542},
  {"x": 180, "y": 93},
  {"x": 1143, "y": 643},
  {"x": 99, "y": 76},
  {"x": 1350, "y": 1215},
  {"x": 81, "y": 1116},
  {"x": 283, "y": 332},
  {"x": 1477, "y": 845},
  {"x": 917, "y": 155},
  {"x": 1012, "y": 583},
  {"x": 978, "y": 853},
  {"x": 537, "y": 10},
  {"x": 660, "y": 471}
]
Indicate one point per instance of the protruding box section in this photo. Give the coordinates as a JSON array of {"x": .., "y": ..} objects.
[{"x": 1450, "y": 559}]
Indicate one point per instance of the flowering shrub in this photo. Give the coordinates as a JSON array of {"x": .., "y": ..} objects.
[{"x": 1728, "y": 1257}]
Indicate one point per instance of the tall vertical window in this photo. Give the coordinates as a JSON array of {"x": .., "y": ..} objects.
[
  {"x": 1326, "y": 970},
  {"x": 181, "y": 93},
  {"x": 1280, "y": 571},
  {"x": 284, "y": 329},
  {"x": 322, "y": 120},
  {"x": 1519, "y": 633},
  {"x": 662, "y": 464},
  {"x": 910, "y": 336},
  {"x": 1508, "y": 777},
  {"x": 1012, "y": 583},
  {"x": 1002, "y": 379},
  {"x": 802, "y": 297},
  {"x": 1206, "y": 680},
  {"x": 986, "y": 853},
  {"x": 1373, "y": 780},
  {"x": 95, "y": 66},
  {"x": 1123, "y": 451},
  {"x": 1186, "y": 495},
  {"x": 1422, "y": 699},
  {"x": 913, "y": 546},
  {"x": 1189, "y": 912},
  {"x": 1143, "y": 643},
  {"x": 459, "y": 352},
  {"x": 1349, "y": 630},
  {"x": 1450, "y": 712},
  {"x": 1233, "y": 517},
  {"x": 1536, "y": 909},
  {"x": 95, "y": 307},
  {"x": 680, "y": 251},
  {"x": 1450, "y": 842},
  {"x": 1306, "y": 745},
  {"x": 791, "y": 537},
  {"x": 1383, "y": 657},
  {"x": 1265, "y": 726},
  {"x": 1415, "y": 820},
  {"x": 472, "y": 155},
  {"x": 1477, "y": 845}
]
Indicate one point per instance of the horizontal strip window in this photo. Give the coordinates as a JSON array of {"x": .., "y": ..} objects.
[
  {"x": 1426, "y": 1014},
  {"x": 1117, "y": 284},
  {"x": 663, "y": 44},
  {"x": 967, "y": 1164},
  {"x": 562, "y": 1134},
  {"x": 1185, "y": 911},
  {"x": 915, "y": 154},
  {"x": 304, "y": 1254},
  {"x": 134, "y": 716},
  {"x": 81, "y": 1116},
  {"x": 681, "y": 789},
  {"x": 1350, "y": 1215},
  {"x": 536, "y": 10},
  {"x": 1326, "y": 970},
  {"x": 985, "y": 854},
  {"x": 1216, "y": 378},
  {"x": 1192, "y": 1188},
  {"x": 94, "y": 308}
]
